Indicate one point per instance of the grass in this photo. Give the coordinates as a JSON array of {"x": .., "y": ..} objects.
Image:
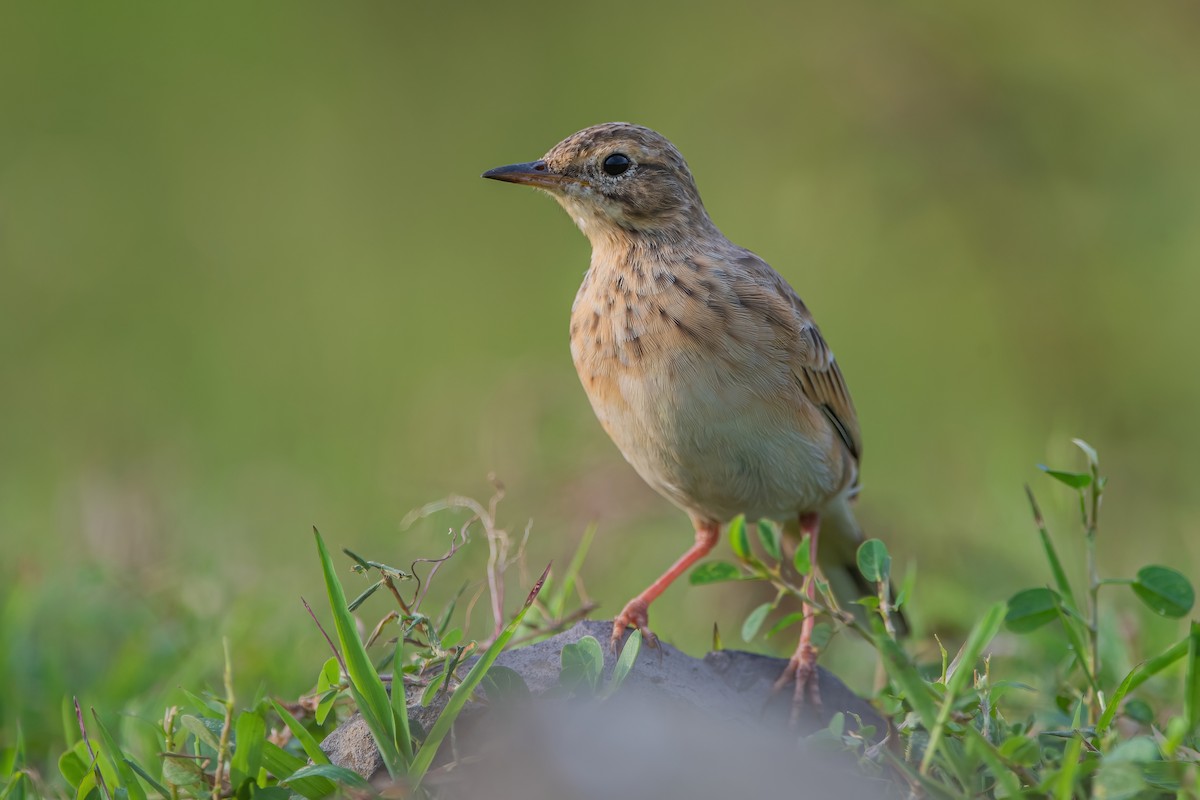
[{"x": 1104, "y": 718}]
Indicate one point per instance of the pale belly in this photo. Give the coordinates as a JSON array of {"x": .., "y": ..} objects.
[{"x": 716, "y": 439}]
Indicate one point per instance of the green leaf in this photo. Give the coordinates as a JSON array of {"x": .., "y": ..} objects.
[
  {"x": 822, "y": 632},
  {"x": 754, "y": 621},
  {"x": 1076, "y": 480},
  {"x": 768, "y": 534},
  {"x": 786, "y": 622},
  {"x": 629, "y": 654},
  {"x": 873, "y": 560},
  {"x": 502, "y": 684},
  {"x": 148, "y": 778},
  {"x": 278, "y": 761},
  {"x": 128, "y": 779},
  {"x": 73, "y": 767},
  {"x": 907, "y": 678},
  {"x": 250, "y": 732},
  {"x": 346, "y": 777},
  {"x": 1089, "y": 451},
  {"x": 424, "y": 757},
  {"x": 713, "y": 572},
  {"x": 1191, "y": 694},
  {"x": 739, "y": 542},
  {"x": 1056, "y": 567},
  {"x": 1166, "y": 591},
  {"x": 183, "y": 772},
  {"x": 1030, "y": 609},
  {"x": 398, "y": 700},
  {"x": 366, "y": 687},
  {"x": 302, "y": 735},
  {"x": 1138, "y": 711},
  {"x": 960, "y": 670},
  {"x": 582, "y": 664},
  {"x": 802, "y": 560},
  {"x": 362, "y": 598}
]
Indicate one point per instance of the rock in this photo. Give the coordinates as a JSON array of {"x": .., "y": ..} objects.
[{"x": 688, "y": 727}]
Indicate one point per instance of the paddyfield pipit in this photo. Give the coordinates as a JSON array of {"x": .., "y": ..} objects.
[{"x": 700, "y": 361}]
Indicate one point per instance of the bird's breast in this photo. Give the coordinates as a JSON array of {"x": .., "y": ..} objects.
[{"x": 698, "y": 399}]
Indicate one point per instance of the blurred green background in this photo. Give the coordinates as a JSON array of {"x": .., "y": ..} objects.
[{"x": 250, "y": 281}]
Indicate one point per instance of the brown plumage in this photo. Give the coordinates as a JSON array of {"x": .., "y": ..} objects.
[{"x": 699, "y": 359}]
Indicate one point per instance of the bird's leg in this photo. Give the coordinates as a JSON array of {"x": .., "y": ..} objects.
[
  {"x": 637, "y": 611},
  {"x": 802, "y": 668}
]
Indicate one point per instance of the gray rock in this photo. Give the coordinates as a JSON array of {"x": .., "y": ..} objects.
[{"x": 679, "y": 726}]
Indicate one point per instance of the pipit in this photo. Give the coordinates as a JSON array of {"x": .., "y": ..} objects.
[{"x": 700, "y": 361}]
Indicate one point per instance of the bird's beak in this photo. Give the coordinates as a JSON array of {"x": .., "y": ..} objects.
[{"x": 531, "y": 173}]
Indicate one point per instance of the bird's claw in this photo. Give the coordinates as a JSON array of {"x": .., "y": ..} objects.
[
  {"x": 636, "y": 614},
  {"x": 801, "y": 671}
]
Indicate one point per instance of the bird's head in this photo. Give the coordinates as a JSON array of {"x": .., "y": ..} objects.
[{"x": 616, "y": 180}]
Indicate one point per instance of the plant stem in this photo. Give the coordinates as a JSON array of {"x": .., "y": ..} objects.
[{"x": 1096, "y": 488}]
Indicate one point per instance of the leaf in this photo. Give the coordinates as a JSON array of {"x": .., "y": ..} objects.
[
  {"x": 713, "y": 572},
  {"x": 72, "y": 767},
  {"x": 754, "y": 621},
  {"x": 1089, "y": 451},
  {"x": 960, "y": 670},
  {"x": 1030, "y": 609},
  {"x": 398, "y": 699},
  {"x": 1191, "y": 693},
  {"x": 822, "y": 632},
  {"x": 786, "y": 622},
  {"x": 366, "y": 687},
  {"x": 873, "y": 560},
  {"x": 1166, "y": 591},
  {"x": 628, "y": 657},
  {"x": 739, "y": 542},
  {"x": 768, "y": 534},
  {"x": 502, "y": 684},
  {"x": 279, "y": 762},
  {"x": 1056, "y": 567},
  {"x": 302, "y": 735},
  {"x": 250, "y": 732},
  {"x": 148, "y": 778},
  {"x": 1138, "y": 711},
  {"x": 802, "y": 560},
  {"x": 1076, "y": 480},
  {"x": 346, "y": 777},
  {"x": 582, "y": 664},
  {"x": 907, "y": 678},
  {"x": 128, "y": 779}
]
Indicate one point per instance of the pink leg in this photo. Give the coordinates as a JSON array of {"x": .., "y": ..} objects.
[
  {"x": 637, "y": 611},
  {"x": 802, "y": 668}
]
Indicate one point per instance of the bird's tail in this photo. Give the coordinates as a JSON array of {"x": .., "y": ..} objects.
[{"x": 837, "y": 556}]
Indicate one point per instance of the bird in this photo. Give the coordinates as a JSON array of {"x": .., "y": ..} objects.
[{"x": 701, "y": 363}]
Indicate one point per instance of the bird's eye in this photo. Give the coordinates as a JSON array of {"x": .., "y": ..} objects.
[{"x": 617, "y": 163}]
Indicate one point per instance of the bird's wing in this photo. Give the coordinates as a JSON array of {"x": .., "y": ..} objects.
[
  {"x": 763, "y": 289},
  {"x": 822, "y": 382}
]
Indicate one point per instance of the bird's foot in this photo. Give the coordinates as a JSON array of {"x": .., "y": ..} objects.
[
  {"x": 801, "y": 671},
  {"x": 636, "y": 614}
]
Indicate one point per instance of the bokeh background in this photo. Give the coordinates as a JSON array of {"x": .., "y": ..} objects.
[{"x": 250, "y": 282}]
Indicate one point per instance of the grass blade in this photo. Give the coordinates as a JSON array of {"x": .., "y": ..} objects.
[
  {"x": 399, "y": 703},
  {"x": 1191, "y": 692},
  {"x": 981, "y": 636},
  {"x": 126, "y": 777},
  {"x": 306, "y": 739},
  {"x": 368, "y": 690},
  {"x": 1056, "y": 567}
]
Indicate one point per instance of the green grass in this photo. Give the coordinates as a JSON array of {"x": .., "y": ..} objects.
[{"x": 983, "y": 720}]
